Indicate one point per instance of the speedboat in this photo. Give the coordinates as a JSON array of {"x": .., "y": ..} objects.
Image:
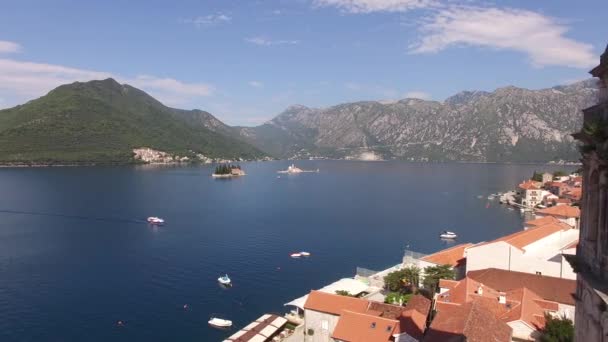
[
  {"x": 305, "y": 254},
  {"x": 448, "y": 235},
  {"x": 295, "y": 255},
  {"x": 224, "y": 280},
  {"x": 219, "y": 322},
  {"x": 155, "y": 220}
]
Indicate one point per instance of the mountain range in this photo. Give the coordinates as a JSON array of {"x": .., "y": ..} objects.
[
  {"x": 509, "y": 124},
  {"x": 104, "y": 121}
]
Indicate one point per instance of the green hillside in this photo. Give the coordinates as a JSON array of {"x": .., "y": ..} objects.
[{"x": 101, "y": 122}]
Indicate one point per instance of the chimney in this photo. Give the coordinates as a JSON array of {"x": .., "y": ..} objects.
[
  {"x": 502, "y": 298},
  {"x": 480, "y": 290}
]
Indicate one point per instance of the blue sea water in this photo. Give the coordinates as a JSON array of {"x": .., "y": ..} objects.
[{"x": 76, "y": 255}]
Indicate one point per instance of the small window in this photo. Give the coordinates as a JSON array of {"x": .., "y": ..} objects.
[
  {"x": 389, "y": 329},
  {"x": 373, "y": 326}
]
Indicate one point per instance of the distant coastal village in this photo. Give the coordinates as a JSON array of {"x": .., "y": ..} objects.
[{"x": 507, "y": 289}]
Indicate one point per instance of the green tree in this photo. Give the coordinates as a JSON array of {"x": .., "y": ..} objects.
[
  {"x": 432, "y": 274},
  {"x": 537, "y": 176},
  {"x": 397, "y": 298},
  {"x": 557, "y": 329},
  {"x": 343, "y": 293},
  {"x": 403, "y": 280}
]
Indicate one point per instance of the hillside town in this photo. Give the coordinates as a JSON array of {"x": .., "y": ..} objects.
[
  {"x": 499, "y": 290},
  {"x": 550, "y": 272}
]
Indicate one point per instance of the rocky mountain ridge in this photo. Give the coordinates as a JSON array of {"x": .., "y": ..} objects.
[{"x": 510, "y": 124}]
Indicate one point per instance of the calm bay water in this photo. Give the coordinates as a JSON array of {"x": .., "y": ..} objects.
[{"x": 76, "y": 256}]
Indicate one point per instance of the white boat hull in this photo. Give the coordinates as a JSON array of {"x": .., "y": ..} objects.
[{"x": 220, "y": 323}]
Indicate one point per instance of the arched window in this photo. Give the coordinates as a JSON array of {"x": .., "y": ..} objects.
[{"x": 592, "y": 206}]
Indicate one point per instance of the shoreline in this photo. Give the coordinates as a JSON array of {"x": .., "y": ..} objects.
[{"x": 136, "y": 163}]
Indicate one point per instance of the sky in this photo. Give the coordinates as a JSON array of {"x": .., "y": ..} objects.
[{"x": 246, "y": 61}]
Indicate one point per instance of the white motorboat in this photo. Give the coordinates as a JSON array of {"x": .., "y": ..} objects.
[
  {"x": 295, "y": 255},
  {"x": 219, "y": 322},
  {"x": 155, "y": 220},
  {"x": 305, "y": 254},
  {"x": 224, "y": 280},
  {"x": 448, "y": 235}
]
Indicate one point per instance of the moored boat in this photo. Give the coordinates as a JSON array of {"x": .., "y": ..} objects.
[
  {"x": 305, "y": 254},
  {"x": 155, "y": 220},
  {"x": 220, "y": 323},
  {"x": 224, "y": 280},
  {"x": 295, "y": 255},
  {"x": 448, "y": 235}
]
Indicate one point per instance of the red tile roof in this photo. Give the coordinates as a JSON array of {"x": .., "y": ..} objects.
[
  {"x": 549, "y": 288},
  {"x": 523, "y": 238},
  {"x": 413, "y": 323},
  {"x": 334, "y": 304},
  {"x": 529, "y": 185},
  {"x": 453, "y": 256},
  {"x": 410, "y": 319},
  {"x": 561, "y": 211},
  {"x": 541, "y": 221},
  {"x": 476, "y": 322},
  {"x": 358, "y": 327}
]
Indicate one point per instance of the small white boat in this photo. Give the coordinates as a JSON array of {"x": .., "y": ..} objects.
[
  {"x": 224, "y": 280},
  {"x": 220, "y": 323},
  {"x": 448, "y": 235},
  {"x": 305, "y": 254},
  {"x": 295, "y": 255},
  {"x": 155, "y": 220}
]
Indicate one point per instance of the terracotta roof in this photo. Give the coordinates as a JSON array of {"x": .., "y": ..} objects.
[
  {"x": 334, "y": 304},
  {"x": 542, "y": 221},
  {"x": 529, "y": 185},
  {"x": 385, "y": 310},
  {"x": 447, "y": 283},
  {"x": 561, "y": 211},
  {"x": 523, "y": 238},
  {"x": 413, "y": 323},
  {"x": 556, "y": 184},
  {"x": 358, "y": 327},
  {"x": 476, "y": 322},
  {"x": 521, "y": 304},
  {"x": 525, "y": 305},
  {"x": 548, "y": 288},
  {"x": 453, "y": 256},
  {"x": 419, "y": 303}
]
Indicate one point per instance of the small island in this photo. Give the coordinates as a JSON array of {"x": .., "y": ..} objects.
[{"x": 228, "y": 171}]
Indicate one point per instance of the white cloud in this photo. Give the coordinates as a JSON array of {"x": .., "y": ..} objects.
[
  {"x": 368, "y": 6},
  {"x": 9, "y": 47},
  {"x": 256, "y": 84},
  {"x": 262, "y": 41},
  {"x": 208, "y": 20},
  {"x": 418, "y": 95},
  {"x": 540, "y": 37},
  {"x": 21, "y": 81}
]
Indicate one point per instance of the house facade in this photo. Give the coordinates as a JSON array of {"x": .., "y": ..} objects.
[
  {"x": 536, "y": 250},
  {"x": 592, "y": 255}
]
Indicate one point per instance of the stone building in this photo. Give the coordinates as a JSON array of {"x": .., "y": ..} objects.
[{"x": 592, "y": 255}]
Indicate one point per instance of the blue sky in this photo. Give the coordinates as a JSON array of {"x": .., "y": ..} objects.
[{"x": 245, "y": 61}]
